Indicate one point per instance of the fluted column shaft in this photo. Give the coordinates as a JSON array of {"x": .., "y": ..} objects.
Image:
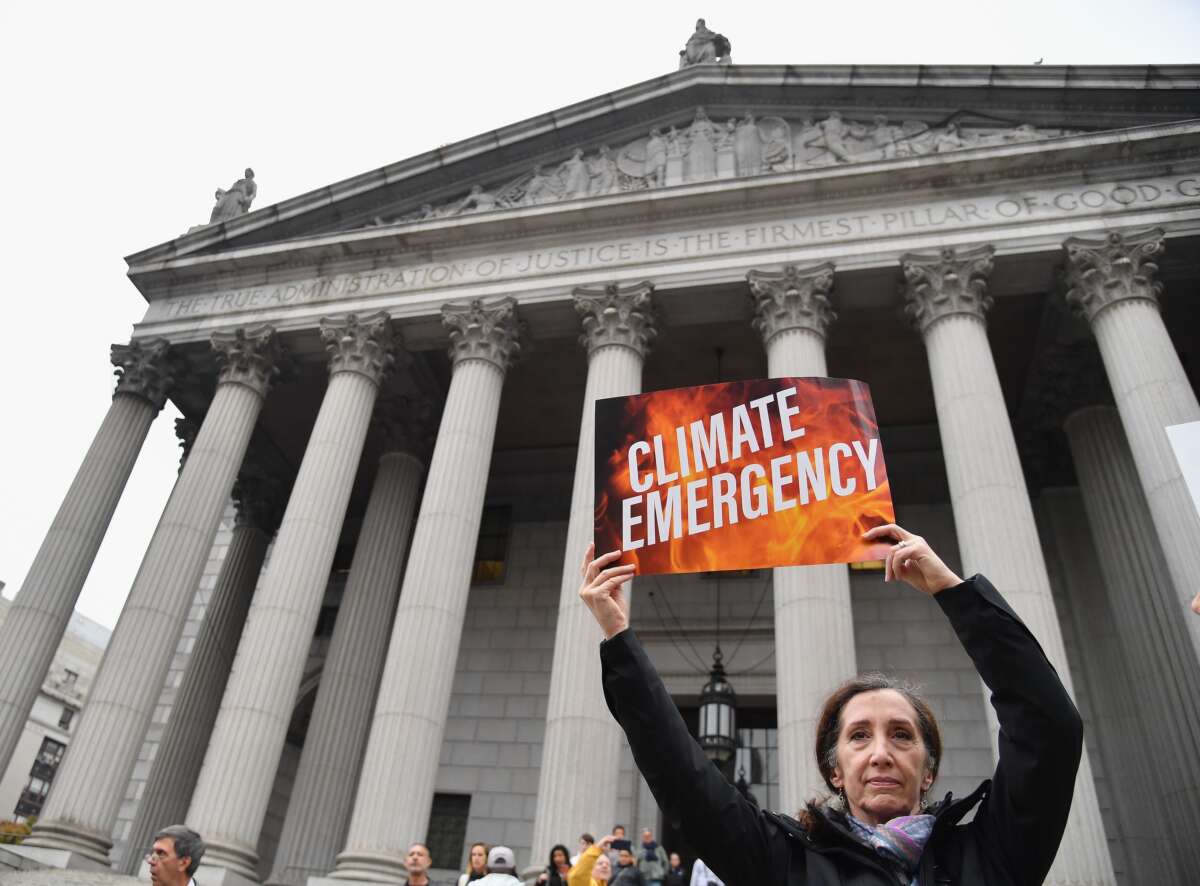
[
  {"x": 168, "y": 789},
  {"x": 1143, "y": 601},
  {"x": 395, "y": 790},
  {"x": 582, "y": 745},
  {"x": 993, "y": 517},
  {"x": 814, "y": 624},
  {"x": 239, "y": 769},
  {"x": 1152, "y": 392},
  {"x": 38, "y": 617},
  {"x": 88, "y": 789},
  {"x": 1112, "y": 282},
  {"x": 323, "y": 791}
]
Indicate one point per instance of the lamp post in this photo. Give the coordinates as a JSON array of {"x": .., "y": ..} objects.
[{"x": 718, "y": 714}]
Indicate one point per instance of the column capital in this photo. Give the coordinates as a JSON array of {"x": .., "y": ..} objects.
[
  {"x": 260, "y": 496},
  {"x": 1117, "y": 267},
  {"x": 406, "y": 424},
  {"x": 950, "y": 281},
  {"x": 250, "y": 356},
  {"x": 488, "y": 331},
  {"x": 362, "y": 343},
  {"x": 794, "y": 298},
  {"x": 613, "y": 315},
  {"x": 186, "y": 430},
  {"x": 143, "y": 369}
]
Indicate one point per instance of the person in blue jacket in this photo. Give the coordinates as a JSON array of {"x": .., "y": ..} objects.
[{"x": 878, "y": 749}]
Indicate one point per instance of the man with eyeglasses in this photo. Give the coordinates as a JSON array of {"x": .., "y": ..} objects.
[{"x": 175, "y": 856}]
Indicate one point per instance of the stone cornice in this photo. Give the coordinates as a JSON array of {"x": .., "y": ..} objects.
[
  {"x": 616, "y": 316},
  {"x": 794, "y": 298},
  {"x": 488, "y": 331},
  {"x": 358, "y": 343},
  {"x": 1118, "y": 267},
  {"x": 946, "y": 283},
  {"x": 143, "y": 369}
]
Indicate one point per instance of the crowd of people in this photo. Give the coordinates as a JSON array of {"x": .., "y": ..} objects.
[{"x": 612, "y": 860}]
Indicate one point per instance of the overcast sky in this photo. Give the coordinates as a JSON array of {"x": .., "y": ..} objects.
[{"x": 122, "y": 118}]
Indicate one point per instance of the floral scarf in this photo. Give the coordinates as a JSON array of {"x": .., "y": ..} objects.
[{"x": 900, "y": 842}]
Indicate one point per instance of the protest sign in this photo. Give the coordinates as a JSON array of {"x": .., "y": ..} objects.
[{"x": 740, "y": 475}]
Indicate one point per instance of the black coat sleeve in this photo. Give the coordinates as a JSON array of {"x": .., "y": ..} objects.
[
  {"x": 1022, "y": 820},
  {"x": 733, "y": 835}
]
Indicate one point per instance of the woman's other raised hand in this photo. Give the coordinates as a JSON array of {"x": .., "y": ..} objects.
[
  {"x": 912, "y": 561},
  {"x": 601, "y": 590}
]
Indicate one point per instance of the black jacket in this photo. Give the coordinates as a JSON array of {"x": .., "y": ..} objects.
[{"x": 1022, "y": 810}]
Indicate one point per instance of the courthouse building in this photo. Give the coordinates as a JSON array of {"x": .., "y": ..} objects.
[{"x": 388, "y": 383}]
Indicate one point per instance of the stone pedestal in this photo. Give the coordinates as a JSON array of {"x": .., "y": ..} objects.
[
  {"x": 814, "y": 625},
  {"x": 395, "y": 792},
  {"x": 1152, "y": 635},
  {"x": 88, "y": 789},
  {"x": 947, "y": 300},
  {"x": 1112, "y": 283},
  {"x": 234, "y": 788},
  {"x": 168, "y": 790},
  {"x": 323, "y": 791},
  {"x": 38, "y": 617},
  {"x": 582, "y": 746}
]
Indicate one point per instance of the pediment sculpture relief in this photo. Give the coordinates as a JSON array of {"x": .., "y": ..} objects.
[{"x": 708, "y": 150}]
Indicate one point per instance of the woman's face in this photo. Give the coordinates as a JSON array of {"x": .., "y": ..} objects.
[
  {"x": 602, "y": 870},
  {"x": 559, "y": 858},
  {"x": 676, "y": 861},
  {"x": 880, "y": 757},
  {"x": 478, "y": 858}
]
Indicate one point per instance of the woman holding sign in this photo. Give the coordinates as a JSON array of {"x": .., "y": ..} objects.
[{"x": 878, "y": 749}]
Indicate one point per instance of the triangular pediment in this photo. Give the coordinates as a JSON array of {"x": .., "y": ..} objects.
[{"x": 713, "y": 124}]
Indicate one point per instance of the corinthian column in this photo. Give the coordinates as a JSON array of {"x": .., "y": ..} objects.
[
  {"x": 947, "y": 300},
  {"x": 1112, "y": 284},
  {"x": 582, "y": 746},
  {"x": 323, "y": 791},
  {"x": 395, "y": 790},
  {"x": 239, "y": 769},
  {"x": 77, "y": 822},
  {"x": 814, "y": 625},
  {"x": 168, "y": 789},
  {"x": 38, "y": 617},
  {"x": 1152, "y": 634}
]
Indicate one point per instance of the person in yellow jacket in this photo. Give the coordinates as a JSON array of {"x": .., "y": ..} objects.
[{"x": 592, "y": 868}]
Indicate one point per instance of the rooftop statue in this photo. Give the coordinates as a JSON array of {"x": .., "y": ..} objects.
[
  {"x": 236, "y": 201},
  {"x": 705, "y": 47}
]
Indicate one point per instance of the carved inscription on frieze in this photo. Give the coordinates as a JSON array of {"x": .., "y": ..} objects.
[{"x": 1030, "y": 206}]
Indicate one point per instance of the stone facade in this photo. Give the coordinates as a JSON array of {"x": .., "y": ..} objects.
[{"x": 924, "y": 230}]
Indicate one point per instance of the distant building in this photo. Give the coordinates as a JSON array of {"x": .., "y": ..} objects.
[{"x": 30, "y": 772}]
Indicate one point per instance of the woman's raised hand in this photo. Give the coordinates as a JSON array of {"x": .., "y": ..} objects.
[
  {"x": 601, "y": 590},
  {"x": 912, "y": 560}
]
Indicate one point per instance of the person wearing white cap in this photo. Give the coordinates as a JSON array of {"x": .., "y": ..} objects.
[{"x": 501, "y": 867}]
